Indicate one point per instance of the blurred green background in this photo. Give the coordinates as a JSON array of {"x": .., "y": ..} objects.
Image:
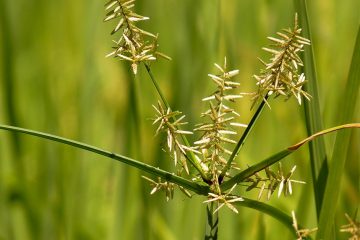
[{"x": 54, "y": 78}]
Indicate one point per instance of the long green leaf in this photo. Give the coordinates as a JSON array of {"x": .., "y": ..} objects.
[
  {"x": 318, "y": 158},
  {"x": 255, "y": 168},
  {"x": 240, "y": 177},
  {"x": 197, "y": 188},
  {"x": 348, "y": 112}
]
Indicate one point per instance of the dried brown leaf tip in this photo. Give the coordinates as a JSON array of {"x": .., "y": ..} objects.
[
  {"x": 353, "y": 227},
  {"x": 281, "y": 75},
  {"x": 135, "y": 44}
]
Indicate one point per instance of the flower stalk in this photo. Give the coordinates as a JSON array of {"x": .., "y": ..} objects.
[{"x": 242, "y": 139}]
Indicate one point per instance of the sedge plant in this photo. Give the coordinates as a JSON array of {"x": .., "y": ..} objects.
[{"x": 207, "y": 166}]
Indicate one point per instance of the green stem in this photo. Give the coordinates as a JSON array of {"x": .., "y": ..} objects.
[
  {"x": 212, "y": 223},
  {"x": 197, "y": 188},
  {"x": 243, "y": 138},
  {"x": 190, "y": 156},
  {"x": 158, "y": 89}
]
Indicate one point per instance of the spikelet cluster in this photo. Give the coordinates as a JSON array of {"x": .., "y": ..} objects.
[
  {"x": 353, "y": 228},
  {"x": 274, "y": 180},
  {"x": 281, "y": 75},
  {"x": 166, "y": 187},
  {"x": 225, "y": 199},
  {"x": 301, "y": 233},
  {"x": 170, "y": 122},
  {"x": 135, "y": 44},
  {"x": 219, "y": 123}
]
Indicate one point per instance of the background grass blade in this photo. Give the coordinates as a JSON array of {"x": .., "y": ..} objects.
[
  {"x": 135, "y": 149},
  {"x": 348, "y": 111},
  {"x": 8, "y": 92},
  {"x": 312, "y": 109}
]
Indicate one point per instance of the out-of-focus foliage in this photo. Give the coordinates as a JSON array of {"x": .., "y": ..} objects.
[{"x": 54, "y": 77}]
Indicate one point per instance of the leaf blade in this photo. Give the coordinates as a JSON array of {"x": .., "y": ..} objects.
[
  {"x": 348, "y": 111},
  {"x": 312, "y": 111},
  {"x": 170, "y": 177}
]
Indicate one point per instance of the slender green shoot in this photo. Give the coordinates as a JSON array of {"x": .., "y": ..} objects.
[
  {"x": 243, "y": 138},
  {"x": 158, "y": 89},
  {"x": 212, "y": 223}
]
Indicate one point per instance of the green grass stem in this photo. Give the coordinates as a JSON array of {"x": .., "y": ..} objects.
[
  {"x": 243, "y": 138},
  {"x": 212, "y": 221}
]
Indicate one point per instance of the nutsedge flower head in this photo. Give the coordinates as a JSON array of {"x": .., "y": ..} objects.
[
  {"x": 281, "y": 75},
  {"x": 166, "y": 119},
  {"x": 220, "y": 121},
  {"x": 135, "y": 44},
  {"x": 272, "y": 181},
  {"x": 301, "y": 233},
  {"x": 353, "y": 227},
  {"x": 225, "y": 199}
]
